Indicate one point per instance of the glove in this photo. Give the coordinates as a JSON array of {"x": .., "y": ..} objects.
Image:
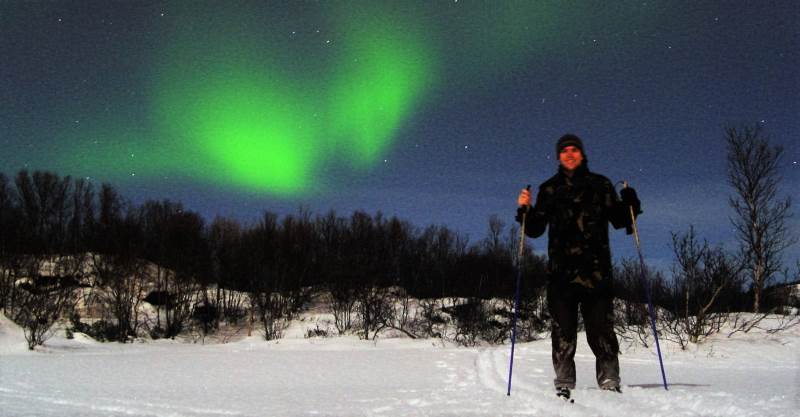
[
  {"x": 520, "y": 211},
  {"x": 524, "y": 198},
  {"x": 524, "y": 201},
  {"x": 629, "y": 198}
]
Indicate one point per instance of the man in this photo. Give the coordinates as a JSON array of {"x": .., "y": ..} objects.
[{"x": 576, "y": 206}]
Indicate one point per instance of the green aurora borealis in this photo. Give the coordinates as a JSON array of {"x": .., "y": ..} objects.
[
  {"x": 262, "y": 99},
  {"x": 236, "y": 110}
]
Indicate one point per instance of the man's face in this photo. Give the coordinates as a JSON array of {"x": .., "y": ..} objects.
[{"x": 570, "y": 157}]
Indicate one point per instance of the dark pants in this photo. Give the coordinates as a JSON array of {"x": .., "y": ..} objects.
[{"x": 597, "y": 308}]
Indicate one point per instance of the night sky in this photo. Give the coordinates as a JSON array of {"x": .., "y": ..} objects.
[{"x": 436, "y": 112}]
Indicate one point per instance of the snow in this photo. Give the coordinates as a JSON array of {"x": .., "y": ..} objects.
[{"x": 753, "y": 374}]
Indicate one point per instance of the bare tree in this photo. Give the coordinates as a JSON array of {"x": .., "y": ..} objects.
[
  {"x": 39, "y": 309},
  {"x": 121, "y": 289},
  {"x": 82, "y": 216},
  {"x": 493, "y": 243},
  {"x": 470, "y": 319},
  {"x": 224, "y": 235},
  {"x": 274, "y": 312},
  {"x": 374, "y": 310},
  {"x": 759, "y": 215},
  {"x": 399, "y": 315},
  {"x": 701, "y": 274},
  {"x": 44, "y": 204},
  {"x": 342, "y": 304},
  {"x": 631, "y": 320},
  {"x": 174, "y": 242},
  {"x": 41, "y": 300}
]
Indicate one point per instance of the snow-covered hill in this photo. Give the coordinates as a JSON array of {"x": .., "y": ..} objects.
[{"x": 754, "y": 374}]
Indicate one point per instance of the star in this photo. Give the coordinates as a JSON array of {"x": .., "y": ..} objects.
[{"x": 438, "y": 74}]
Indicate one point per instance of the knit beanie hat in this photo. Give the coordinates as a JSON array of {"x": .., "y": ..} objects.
[{"x": 569, "y": 140}]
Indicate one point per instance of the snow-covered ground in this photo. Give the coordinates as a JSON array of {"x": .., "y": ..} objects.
[{"x": 753, "y": 374}]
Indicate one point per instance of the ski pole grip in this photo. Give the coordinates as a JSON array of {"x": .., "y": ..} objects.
[
  {"x": 629, "y": 228},
  {"x": 527, "y": 209}
]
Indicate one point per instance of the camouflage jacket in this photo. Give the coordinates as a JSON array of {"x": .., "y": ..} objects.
[{"x": 576, "y": 211}]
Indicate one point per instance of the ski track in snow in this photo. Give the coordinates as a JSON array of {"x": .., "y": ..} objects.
[
  {"x": 460, "y": 382},
  {"x": 465, "y": 382},
  {"x": 397, "y": 377}
]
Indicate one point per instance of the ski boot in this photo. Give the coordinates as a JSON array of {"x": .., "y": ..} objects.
[{"x": 564, "y": 394}]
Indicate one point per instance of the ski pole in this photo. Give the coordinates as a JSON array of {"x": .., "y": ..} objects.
[
  {"x": 647, "y": 290},
  {"x": 520, "y": 257}
]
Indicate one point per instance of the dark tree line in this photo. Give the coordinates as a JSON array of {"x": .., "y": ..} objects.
[{"x": 63, "y": 237}]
